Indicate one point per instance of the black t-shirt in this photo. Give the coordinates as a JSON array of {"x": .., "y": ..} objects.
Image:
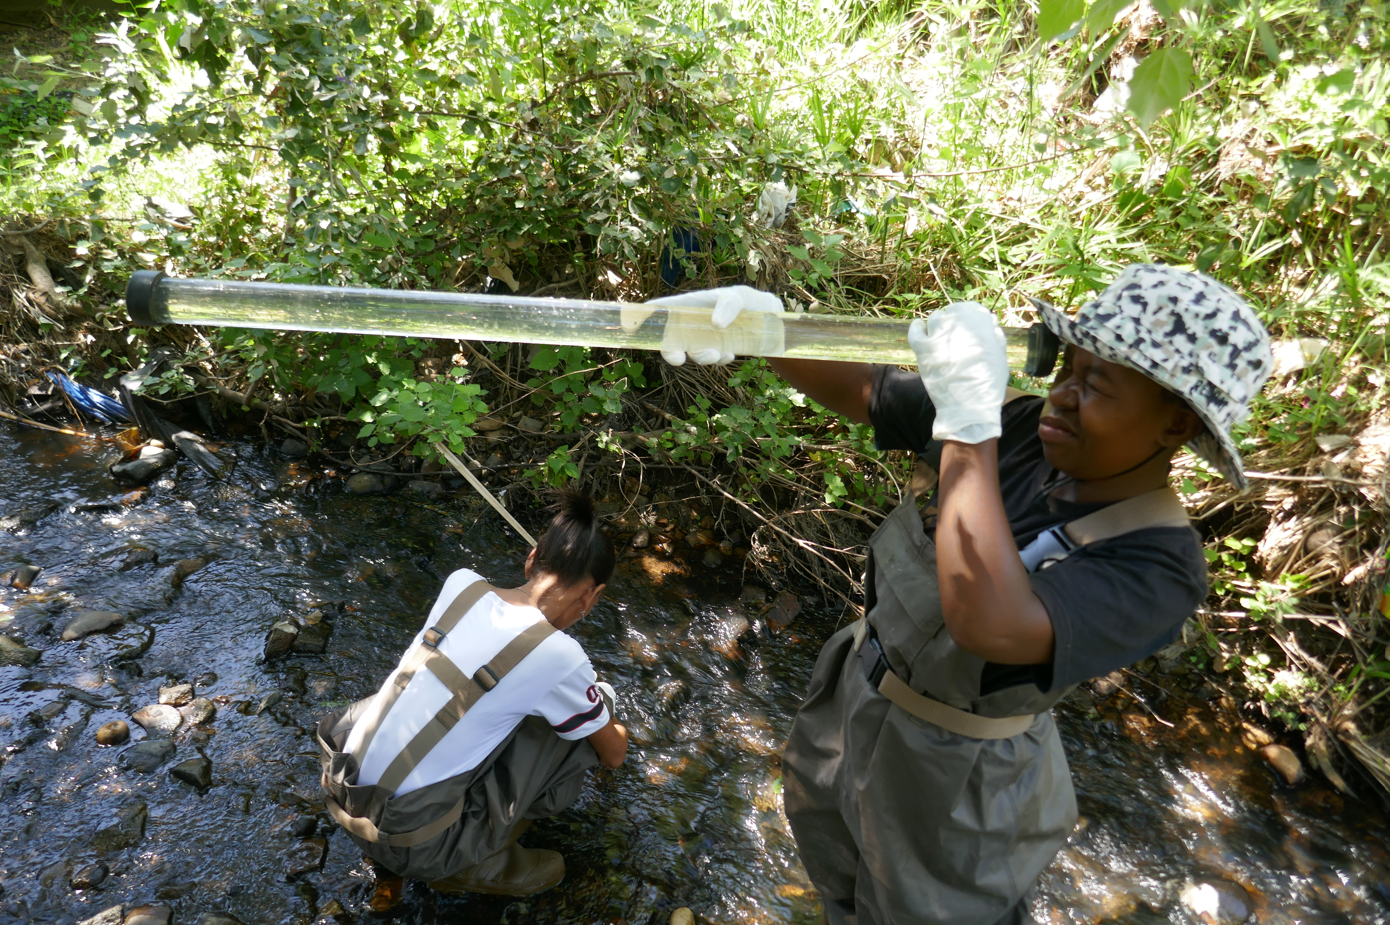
[{"x": 1111, "y": 603}]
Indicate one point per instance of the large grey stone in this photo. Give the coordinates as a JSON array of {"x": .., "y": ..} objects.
[
  {"x": 137, "y": 557},
  {"x": 158, "y": 914},
  {"x": 218, "y": 918},
  {"x": 294, "y": 448},
  {"x": 312, "y": 640},
  {"x": 91, "y": 621},
  {"x": 14, "y": 652},
  {"x": 365, "y": 483},
  {"x": 111, "y": 916},
  {"x": 306, "y": 856},
  {"x": 24, "y": 576},
  {"x": 176, "y": 695},
  {"x": 126, "y": 830},
  {"x": 144, "y": 468},
  {"x": 145, "y": 757},
  {"x": 159, "y": 719},
  {"x": 196, "y": 772},
  {"x": 281, "y": 639},
  {"x": 200, "y": 711},
  {"x": 26, "y": 516},
  {"x": 90, "y": 877}
]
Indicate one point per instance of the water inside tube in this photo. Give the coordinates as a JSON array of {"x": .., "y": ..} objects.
[{"x": 1180, "y": 820}]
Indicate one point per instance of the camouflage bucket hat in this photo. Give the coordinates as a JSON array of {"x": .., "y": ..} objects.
[{"x": 1191, "y": 335}]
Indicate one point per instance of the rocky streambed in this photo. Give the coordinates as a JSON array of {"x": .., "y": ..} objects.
[{"x": 166, "y": 651}]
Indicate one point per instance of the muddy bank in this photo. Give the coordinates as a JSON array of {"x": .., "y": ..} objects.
[{"x": 209, "y": 803}]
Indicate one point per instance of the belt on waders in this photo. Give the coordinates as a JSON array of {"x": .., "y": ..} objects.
[
  {"x": 886, "y": 681},
  {"x": 466, "y": 692}
]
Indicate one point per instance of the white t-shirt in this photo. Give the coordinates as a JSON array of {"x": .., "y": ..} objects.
[{"x": 555, "y": 682}]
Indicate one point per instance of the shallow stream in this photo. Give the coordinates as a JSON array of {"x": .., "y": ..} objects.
[{"x": 1182, "y": 822}]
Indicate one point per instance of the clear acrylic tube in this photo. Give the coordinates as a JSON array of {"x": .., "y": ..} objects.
[{"x": 153, "y": 298}]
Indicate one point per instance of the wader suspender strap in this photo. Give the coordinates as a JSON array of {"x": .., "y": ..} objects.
[
  {"x": 393, "y": 687},
  {"x": 1158, "y": 508}
]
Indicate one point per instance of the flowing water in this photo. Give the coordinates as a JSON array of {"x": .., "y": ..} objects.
[{"x": 1181, "y": 821}]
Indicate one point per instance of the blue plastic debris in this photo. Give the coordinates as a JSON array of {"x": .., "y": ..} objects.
[
  {"x": 682, "y": 239},
  {"x": 88, "y": 399}
]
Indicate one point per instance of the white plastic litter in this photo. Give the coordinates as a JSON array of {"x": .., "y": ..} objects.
[{"x": 773, "y": 204}]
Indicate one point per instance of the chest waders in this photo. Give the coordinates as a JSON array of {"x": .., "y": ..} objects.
[
  {"x": 915, "y": 798},
  {"x": 444, "y": 827}
]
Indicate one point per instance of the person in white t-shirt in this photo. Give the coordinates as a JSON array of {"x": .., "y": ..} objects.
[{"x": 528, "y": 723}]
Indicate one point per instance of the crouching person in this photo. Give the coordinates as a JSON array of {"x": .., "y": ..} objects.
[{"x": 491, "y": 720}]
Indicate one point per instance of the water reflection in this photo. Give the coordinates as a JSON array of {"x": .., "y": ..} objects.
[{"x": 1181, "y": 821}]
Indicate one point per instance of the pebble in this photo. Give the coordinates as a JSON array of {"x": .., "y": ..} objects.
[
  {"x": 306, "y": 856},
  {"x": 137, "y": 557},
  {"x": 126, "y": 831},
  {"x": 91, "y": 621},
  {"x": 494, "y": 461},
  {"x": 1282, "y": 759},
  {"x": 726, "y": 547},
  {"x": 115, "y": 732},
  {"x": 530, "y": 425},
  {"x": 24, "y": 576},
  {"x": 313, "y": 639},
  {"x": 1216, "y": 903},
  {"x": 175, "y": 889},
  {"x": 205, "y": 680},
  {"x": 159, "y": 719},
  {"x": 365, "y": 483},
  {"x": 698, "y": 538},
  {"x": 281, "y": 639},
  {"x": 641, "y": 539},
  {"x": 487, "y": 425},
  {"x": 176, "y": 695},
  {"x": 25, "y": 517},
  {"x": 304, "y": 826},
  {"x": 185, "y": 567},
  {"x": 268, "y": 701},
  {"x": 1104, "y": 687},
  {"x": 147, "y": 756},
  {"x": 113, "y": 916},
  {"x": 682, "y": 916},
  {"x": 713, "y": 558},
  {"x": 138, "y": 471},
  {"x": 431, "y": 490},
  {"x": 752, "y": 595},
  {"x": 90, "y": 877},
  {"x": 201, "y": 710},
  {"x": 196, "y": 772},
  {"x": 14, "y": 652},
  {"x": 150, "y": 915},
  {"x": 294, "y": 448},
  {"x": 785, "y": 609},
  {"x": 218, "y": 918}
]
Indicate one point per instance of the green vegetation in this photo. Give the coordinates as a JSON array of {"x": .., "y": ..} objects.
[{"x": 946, "y": 150}]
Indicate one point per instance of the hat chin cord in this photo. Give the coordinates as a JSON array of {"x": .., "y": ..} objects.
[{"x": 1053, "y": 485}]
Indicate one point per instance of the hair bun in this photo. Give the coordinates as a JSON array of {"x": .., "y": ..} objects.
[{"x": 578, "y": 508}]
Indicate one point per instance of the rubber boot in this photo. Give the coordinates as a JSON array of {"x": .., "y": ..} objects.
[{"x": 512, "y": 871}]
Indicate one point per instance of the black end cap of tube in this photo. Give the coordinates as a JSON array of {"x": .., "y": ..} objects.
[
  {"x": 1043, "y": 347},
  {"x": 140, "y": 289}
]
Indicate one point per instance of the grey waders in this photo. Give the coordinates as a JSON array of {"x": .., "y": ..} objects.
[
  {"x": 442, "y": 828},
  {"x": 914, "y": 798}
]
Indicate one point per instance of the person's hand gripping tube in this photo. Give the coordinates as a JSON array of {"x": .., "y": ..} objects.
[
  {"x": 963, "y": 363},
  {"x": 744, "y": 321}
]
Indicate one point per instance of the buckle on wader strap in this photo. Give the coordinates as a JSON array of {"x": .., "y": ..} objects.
[
  {"x": 432, "y": 638},
  {"x": 886, "y": 681}
]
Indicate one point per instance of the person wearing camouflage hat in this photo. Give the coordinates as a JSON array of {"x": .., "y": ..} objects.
[{"x": 924, "y": 779}]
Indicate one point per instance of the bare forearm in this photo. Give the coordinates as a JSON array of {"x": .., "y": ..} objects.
[
  {"x": 842, "y": 387},
  {"x": 610, "y": 743},
  {"x": 989, "y": 606}
]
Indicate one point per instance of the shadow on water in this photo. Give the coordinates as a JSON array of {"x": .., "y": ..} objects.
[{"x": 1177, "y": 820}]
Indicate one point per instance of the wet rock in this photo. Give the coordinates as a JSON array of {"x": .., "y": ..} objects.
[
  {"x": 281, "y": 639},
  {"x": 205, "y": 680},
  {"x": 200, "y": 711},
  {"x": 699, "y": 538},
  {"x": 177, "y": 889},
  {"x": 306, "y": 856},
  {"x": 487, "y": 425},
  {"x": 713, "y": 558},
  {"x": 159, "y": 719},
  {"x": 1255, "y": 737},
  {"x": 365, "y": 483},
  {"x": 112, "y": 916},
  {"x": 149, "y": 915},
  {"x": 137, "y": 557},
  {"x": 304, "y": 826},
  {"x": 726, "y": 548},
  {"x": 752, "y": 595},
  {"x": 641, "y": 539},
  {"x": 682, "y": 916},
  {"x": 494, "y": 461},
  {"x": 1216, "y": 902},
  {"x": 90, "y": 877},
  {"x": 268, "y": 701},
  {"x": 15, "y": 653},
  {"x": 147, "y": 756},
  {"x": 91, "y": 621},
  {"x": 196, "y": 772},
  {"x": 218, "y": 918},
  {"x": 530, "y": 425},
  {"x": 126, "y": 831},
  {"x": 22, "y": 518},
  {"x": 670, "y": 693},
  {"x": 151, "y": 461},
  {"x": 430, "y": 490},
  {"x": 1104, "y": 687},
  {"x": 115, "y": 732},
  {"x": 1283, "y": 760},
  {"x": 312, "y": 640},
  {"x": 186, "y": 567},
  {"x": 176, "y": 695},
  {"x": 294, "y": 448},
  {"x": 785, "y": 609},
  {"x": 24, "y": 576},
  {"x": 733, "y": 626}
]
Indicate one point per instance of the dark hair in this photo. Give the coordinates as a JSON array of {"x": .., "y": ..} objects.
[{"x": 574, "y": 547}]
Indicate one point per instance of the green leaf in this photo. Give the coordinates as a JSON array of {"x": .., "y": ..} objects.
[
  {"x": 1102, "y": 13},
  {"x": 47, "y": 87},
  {"x": 1159, "y": 84},
  {"x": 1058, "y": 16}
]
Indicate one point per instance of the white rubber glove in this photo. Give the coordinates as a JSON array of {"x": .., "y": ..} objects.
[
  {"x": 721, "y": 335},
  {"x": 610, "y": 698},
  {"x": 963, "y": 363}
]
